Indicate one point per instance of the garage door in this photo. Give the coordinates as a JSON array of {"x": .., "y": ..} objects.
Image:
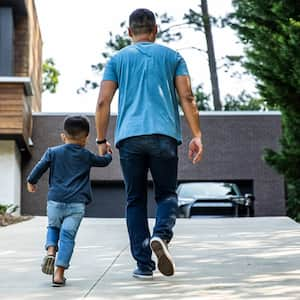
[{"x": 109, "y": 200}]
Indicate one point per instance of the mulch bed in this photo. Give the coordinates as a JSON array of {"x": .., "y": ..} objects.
[{"x": 8, "y": 219}]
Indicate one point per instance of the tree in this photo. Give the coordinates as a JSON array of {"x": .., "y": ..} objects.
[
  {"x": 211, "y": 55},
  {"x": 50, "y": 76},
  {"x": 270, "y": 31},
  {"x": 168, "y": 31}
]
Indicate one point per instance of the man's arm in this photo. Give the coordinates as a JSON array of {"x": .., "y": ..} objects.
[
  {"x": 189, "y": 107},
  {"x": 106, "y": 93}
]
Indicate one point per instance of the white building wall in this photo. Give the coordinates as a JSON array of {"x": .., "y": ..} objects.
[{"x": 10, "y": 173}]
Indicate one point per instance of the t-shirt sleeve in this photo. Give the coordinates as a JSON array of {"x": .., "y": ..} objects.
[
  {"x": 110, "y": 71},
  {"x": 181, "y": 67}
]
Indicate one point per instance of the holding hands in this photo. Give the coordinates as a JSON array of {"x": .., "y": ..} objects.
[{"x": 104, "y": 148}]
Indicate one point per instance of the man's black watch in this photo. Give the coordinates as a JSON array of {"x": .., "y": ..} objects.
[{"x": 99, "y": 142}]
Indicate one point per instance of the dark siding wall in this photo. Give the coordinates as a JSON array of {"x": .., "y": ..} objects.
[
  {"x": 6, "y": 41},
  {"x": 234, "y": 145}
]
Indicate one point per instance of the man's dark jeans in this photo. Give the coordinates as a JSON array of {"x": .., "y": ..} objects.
[{"x": 157, "y": 153}]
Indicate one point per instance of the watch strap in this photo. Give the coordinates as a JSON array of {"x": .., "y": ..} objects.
[{"x": 99, "y": 142}]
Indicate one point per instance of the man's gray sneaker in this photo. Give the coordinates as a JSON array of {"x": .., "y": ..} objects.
[
  {"x": 165, "y": 262},
  {"x": 141, "y": 274}
]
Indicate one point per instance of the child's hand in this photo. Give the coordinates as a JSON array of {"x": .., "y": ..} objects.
[
  {"x": 104, "y": 148},
  {"x": 31, "y": 187}
]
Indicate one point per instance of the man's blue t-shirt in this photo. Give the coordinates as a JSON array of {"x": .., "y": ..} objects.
[{"x": 145, "y": 73}]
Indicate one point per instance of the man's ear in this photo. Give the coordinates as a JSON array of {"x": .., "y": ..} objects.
[
  {"x": 130, "y": 32},
  {"x": 155, "y": 29}
]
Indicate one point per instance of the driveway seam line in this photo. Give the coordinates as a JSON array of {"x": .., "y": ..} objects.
[{"x": 104, "y": 273}]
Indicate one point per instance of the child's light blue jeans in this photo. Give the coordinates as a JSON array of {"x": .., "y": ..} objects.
[{"x": 63, "y": 223}]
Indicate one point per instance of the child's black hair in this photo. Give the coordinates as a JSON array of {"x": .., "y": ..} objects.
[{"x": 76, "y": 127}]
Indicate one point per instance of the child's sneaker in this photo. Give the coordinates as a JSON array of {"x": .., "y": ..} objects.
[
  {"x": 60, "y": 283},
  {"x": 165, "y": 263},
  {"x": 48, "y": 264}
]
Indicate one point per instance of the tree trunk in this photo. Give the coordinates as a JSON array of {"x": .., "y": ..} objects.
[{"x": 211, "y": 56}]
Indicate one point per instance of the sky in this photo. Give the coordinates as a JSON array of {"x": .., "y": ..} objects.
[{"x": 74, "y": 34}]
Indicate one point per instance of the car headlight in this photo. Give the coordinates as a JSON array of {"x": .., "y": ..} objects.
[
  {"x": 185, "y": 201},
  {"x": 240, "y": 200}
]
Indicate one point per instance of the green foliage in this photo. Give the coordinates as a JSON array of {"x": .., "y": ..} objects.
[
  {"x": 270, "y": 31},
  {"x": 3, "y": 209},
  {"x": 50, "y": 76},
  {"x": 194, "y": 18},
  {"x": 272, "y": 47},
  {"x": 293, "y": 188},
  {"x": 202, "y": 99},
  {"x": 245, "y": 101},
  {"x": 7, "y": 209},
  {"x": 168, "y": 30}
]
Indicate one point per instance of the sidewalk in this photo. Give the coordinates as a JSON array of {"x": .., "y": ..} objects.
[{"x": 242, "y": 258}]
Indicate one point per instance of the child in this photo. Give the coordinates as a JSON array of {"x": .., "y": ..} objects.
[{"x": 69, "y": 192}]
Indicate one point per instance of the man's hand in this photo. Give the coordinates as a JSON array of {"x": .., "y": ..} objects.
[
  {"x": 104, "y": 148},
  {"x": 195, "y": 149},
  {"x": 32, "y": 188}
]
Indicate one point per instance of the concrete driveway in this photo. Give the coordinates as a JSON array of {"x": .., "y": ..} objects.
[{"x": 238, "y": 258}]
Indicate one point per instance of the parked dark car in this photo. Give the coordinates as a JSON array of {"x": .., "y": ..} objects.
[{"x": 213, "y": 199}]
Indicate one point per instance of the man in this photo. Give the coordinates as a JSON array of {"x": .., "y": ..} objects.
[{"x": 147, "y": 135}]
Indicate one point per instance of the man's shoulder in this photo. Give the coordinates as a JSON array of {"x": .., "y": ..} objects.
[
  {"x": 164, "y": 48},
  {"x": 161, "y": 46},
  {"x": 123, "y": 51},
  {"x": 131, "y": 47}
]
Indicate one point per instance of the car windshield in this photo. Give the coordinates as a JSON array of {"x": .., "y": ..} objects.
[{"x": 198, "y": 189}]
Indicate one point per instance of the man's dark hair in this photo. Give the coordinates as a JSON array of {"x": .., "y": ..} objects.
[
  {"x": 141, "y": 20},
  {"x": 76, "y": 127}
]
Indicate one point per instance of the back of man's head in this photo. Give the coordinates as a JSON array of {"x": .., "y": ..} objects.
[
  {"x": 141, "y": 21},
  {"x": 76, "y": 127}
]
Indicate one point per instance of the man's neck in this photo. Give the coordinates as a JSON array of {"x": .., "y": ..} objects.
[{"x": 144, "y": 38}]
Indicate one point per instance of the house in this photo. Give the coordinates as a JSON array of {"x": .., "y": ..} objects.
[
  {"x": 20, "y": 91},
  {"x": 234, "y": 141}
]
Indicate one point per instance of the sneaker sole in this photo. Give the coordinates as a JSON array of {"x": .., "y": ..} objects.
[
  {"x": 58, "y": 284},
  {"x": 165, "y": 264},
  {"x": 143, "y": 277},
  {"x": 48, "y": 265}
]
